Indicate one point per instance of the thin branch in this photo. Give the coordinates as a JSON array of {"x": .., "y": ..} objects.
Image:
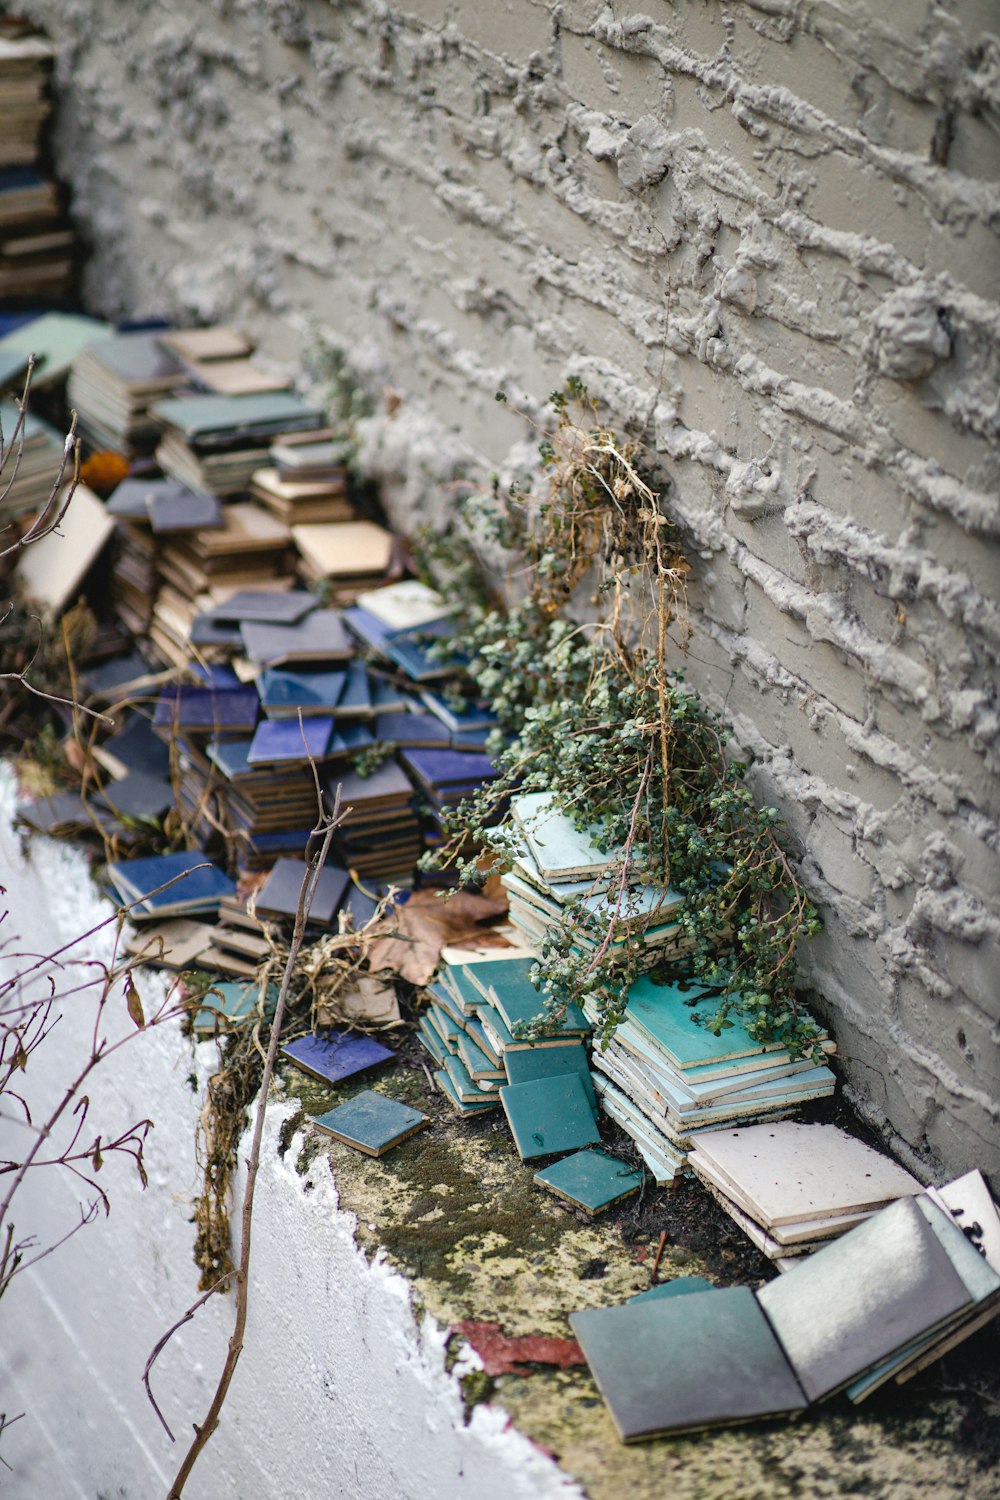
[{"x": 162, "y": 1343}]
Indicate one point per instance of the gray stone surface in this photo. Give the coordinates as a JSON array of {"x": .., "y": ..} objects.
[{"x": 768, "y": 231}]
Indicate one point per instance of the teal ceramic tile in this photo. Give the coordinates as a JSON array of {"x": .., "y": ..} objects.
[
  {"x": 480, "y": 1066},
  {"x": 527, "y": 1063},
  {"x": 681, "y": 1286},
  {"x": 474, "y": 1028},
  {"x": 591, "y": 1179},
  {"x": 461, "y": 988},
  {"x": 431, "y": 1040},
  {"x": 560, "y": 850},
  {"x": 862, "y": 1297},
  {"x": 448, "y": 1089},
  {"x": 682, "y": 1363},
  {"x": 372, "y": 1123},
  {"x": 232, "y": 1001},
  {"x": 465, "y": 1086},
  {"x": 518, "y": 1001},
  {"x": 665, "y": 1013},
  {"x": 443, "y": 1024},
  {"x": 549, "y": 1115}
]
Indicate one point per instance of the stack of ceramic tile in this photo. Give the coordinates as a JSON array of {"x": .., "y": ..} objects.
[
  {"x": 347, "y": 557},
  {"x": 114, "y": 383},
  {"x": 306, "y": 480},
  {"x": 208, "y": 723},
  {"x": 25, "y": 63},
  {"x": 181, "y": 943},
  {"x": 54, "y": 338},
  {"x": 203, "y": 567},
  {"x": 407, "y": 727},
  {"x": 446, "y": 777},
  {"x": 267, "y": 809},
  {"x": 406, "y": 624},
  {"x": 557, "y": 868},
  {"x": 664, "y": 1076},
  {"x": 38, "y": 462},
  {"x": 221, "y": 360},
  {"x": 215, "y": 443},
  {"x": 380, "y": 837},
  {"x": 791, "y": 1187},
  {"x": 879, "y": 1303},
  {"x": 300, "y": 502},
  {"x": 148, "y": 512},
  {"x": 306, "y": 666},
  {"x": 486, "y": 1000},
  {"x": 36, "y": 242},
  {"x": 182, "y": 884}
]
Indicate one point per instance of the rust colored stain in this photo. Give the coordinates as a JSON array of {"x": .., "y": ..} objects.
[{"x": 502, "y": 1355}]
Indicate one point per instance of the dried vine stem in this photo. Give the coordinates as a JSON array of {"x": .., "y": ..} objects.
[
  {"x": 24, "y": 1026},
  {"x": 325, "y": 828},
  {"x": 576, "y": 640}
]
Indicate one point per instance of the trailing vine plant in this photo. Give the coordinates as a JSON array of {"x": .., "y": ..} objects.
[{"x": 572, "y": 641}]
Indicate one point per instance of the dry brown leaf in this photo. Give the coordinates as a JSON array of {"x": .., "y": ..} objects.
[
  {"x": 426, "y": 923},
  {"x": 368, "y": 1001}
]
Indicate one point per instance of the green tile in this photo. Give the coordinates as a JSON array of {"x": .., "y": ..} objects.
[
  {"x": 681, "y": 1286},
  {"x": 664, "y": 1013},
  {"x": 371, "y": 1123},
  {"x": 466, "y": 995},
  {"x": 683, "y": 1363},
  {"x": 591, "y": 1179},
  {"x": 465, "y": 1086},
  {"x": 431, "y": 1040},
  {"x": 235, "y": 1003},
  {"x": 480, "y": 1066},
  {"x": 443, "y": 1024},
  {"x": 560, "y": 850},
  {"x": 470, "y": 1108},
  {"x": 549, "y": 1115},
  {"x": 527, "y": 1063},
  {"x": 518, "y": 1001},
  {"x": 496, "y": 973}
]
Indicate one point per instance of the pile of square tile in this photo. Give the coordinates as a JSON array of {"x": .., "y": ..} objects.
[
  {"x": 475, "y": 1029},
  {"x": 877, "y": 1304},
  {"x": 791, "y": 1187},
  {"x": 665, "y": 1077},
  {"x": 556, "y": 868},
  {"x": 36, "y": 241}
]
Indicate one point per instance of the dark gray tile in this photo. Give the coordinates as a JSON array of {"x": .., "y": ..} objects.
[{"x": 677, "y": 1364}]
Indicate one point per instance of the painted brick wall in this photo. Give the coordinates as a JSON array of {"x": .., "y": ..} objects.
[{"x": 767, "y": 231}]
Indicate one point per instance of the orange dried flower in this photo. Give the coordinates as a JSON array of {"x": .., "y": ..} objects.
[{"x": 104, "y": 471}]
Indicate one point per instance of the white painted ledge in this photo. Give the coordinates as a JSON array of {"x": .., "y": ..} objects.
[{"x": 340, "y": 1391}]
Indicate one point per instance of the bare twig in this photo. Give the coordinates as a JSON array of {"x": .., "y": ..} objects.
[{"x": 162, "y": 1343}]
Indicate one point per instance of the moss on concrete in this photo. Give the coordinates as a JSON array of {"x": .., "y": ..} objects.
[{"x": 458, "y": 1214}]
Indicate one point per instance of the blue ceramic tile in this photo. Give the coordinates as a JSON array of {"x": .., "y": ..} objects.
[{"x": 333, "y": 1056}]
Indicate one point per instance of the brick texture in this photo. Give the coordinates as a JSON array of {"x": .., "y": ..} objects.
[{"x": 765, "y": 233}]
